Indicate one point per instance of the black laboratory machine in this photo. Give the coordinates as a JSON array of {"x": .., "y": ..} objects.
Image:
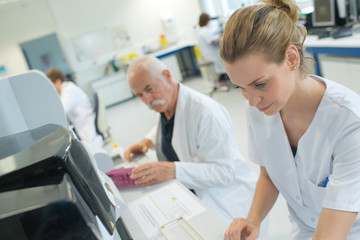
[{"x": 49, "y": 189}]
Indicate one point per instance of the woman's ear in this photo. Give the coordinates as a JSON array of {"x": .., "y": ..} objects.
[{"x": 292, "y": 57}]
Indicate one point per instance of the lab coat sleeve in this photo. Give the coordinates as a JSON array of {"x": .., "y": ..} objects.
[
  {"x": 215, "y": 152},
  {"x": 208, "y": 36},
  {"x": 342, "y": 191},
  {"x": 69, "y": 103},
  {"x": 152, "y": 134},
  {"x": 69, "y": 98}
]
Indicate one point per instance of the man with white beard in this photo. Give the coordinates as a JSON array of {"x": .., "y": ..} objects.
[{"x": 193, "y": 141}]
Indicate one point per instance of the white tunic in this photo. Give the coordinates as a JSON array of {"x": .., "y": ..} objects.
[
  {"x": 209, "y": 51},
  {"x": 210, "y": 162},
  {"x": 329, "y": 148},
  {"x": 80, "y": 113}
]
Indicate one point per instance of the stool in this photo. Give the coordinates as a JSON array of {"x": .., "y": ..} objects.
[{"x": 208, "y": 71}]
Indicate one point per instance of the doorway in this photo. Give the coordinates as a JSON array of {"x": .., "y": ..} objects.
[{"x": 45, "y": 53}]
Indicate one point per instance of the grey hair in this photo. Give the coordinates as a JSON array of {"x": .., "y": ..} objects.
[{"x": 149, "y": 63}]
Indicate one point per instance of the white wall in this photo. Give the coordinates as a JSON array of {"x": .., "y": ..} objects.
[
  {"x": 20, "y": 23},
  {"x": 344, "y": 70},
  {"x": 142, "y": 18},
  {"x": 69, "y": 18}
]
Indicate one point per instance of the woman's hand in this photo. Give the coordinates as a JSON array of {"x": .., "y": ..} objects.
[{"x": 241, "y": 228}]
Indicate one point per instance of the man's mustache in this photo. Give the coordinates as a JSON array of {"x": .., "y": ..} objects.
[{"x": 156, "y": 103}]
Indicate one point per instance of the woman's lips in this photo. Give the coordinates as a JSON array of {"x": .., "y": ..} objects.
[{"x": 264, "y": 109}]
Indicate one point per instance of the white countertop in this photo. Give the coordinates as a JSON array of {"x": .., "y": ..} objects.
[
  {"x": 352, "y": 41},
  {"x": 174, "y": 47}
]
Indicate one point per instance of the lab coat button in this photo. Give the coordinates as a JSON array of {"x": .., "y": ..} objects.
[
  {"x": 298, "y": 198},
  {"x": 313, "y": 219}
]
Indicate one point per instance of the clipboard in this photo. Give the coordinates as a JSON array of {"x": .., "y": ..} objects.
[{"x": 179, "y": 229}]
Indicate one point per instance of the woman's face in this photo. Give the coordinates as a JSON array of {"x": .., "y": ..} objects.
[{"x": 266, "y": 85}]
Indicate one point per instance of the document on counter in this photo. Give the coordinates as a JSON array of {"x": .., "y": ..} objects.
[{"x": 162, "y": 206}]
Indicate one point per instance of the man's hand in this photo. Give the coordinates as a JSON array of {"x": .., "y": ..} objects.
[
  {"x": 141, "y": 147},
  {"x": 151, "y": 173}
]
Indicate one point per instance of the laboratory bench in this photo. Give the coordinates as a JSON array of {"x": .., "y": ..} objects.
[
  {"x": 179, "y": 58},
  {"x": 347, "y": 47}
]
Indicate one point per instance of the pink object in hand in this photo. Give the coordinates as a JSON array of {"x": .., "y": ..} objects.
[{"x": 121, "y": 177}]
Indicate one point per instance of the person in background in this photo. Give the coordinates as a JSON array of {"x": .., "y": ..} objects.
[
  {"x": 77, "y": 106},
  {"x": 193, "y": 141},
  {"x": 209, "y": 45},
  {"x": 304, "y": 130}
]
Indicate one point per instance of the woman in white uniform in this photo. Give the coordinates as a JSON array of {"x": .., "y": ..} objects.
[
  {"x": 304, "y": 131},
  {"x": 209, "y": 45}
]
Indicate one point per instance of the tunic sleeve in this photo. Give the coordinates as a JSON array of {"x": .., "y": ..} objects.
[{"x": 343, "y": 189}]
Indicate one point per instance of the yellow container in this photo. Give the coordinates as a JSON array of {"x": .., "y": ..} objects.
[
  {"x": 128, "y": 57},
  {"x": 163, "y": 40},
  {"x": 132, "y": 55},
  {"x": 197, "y": 52}
]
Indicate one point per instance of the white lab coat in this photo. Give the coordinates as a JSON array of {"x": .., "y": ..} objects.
[
  {"x": 210, "y": 162},
  {"x": 329, "y": 148},
  {"x": 80, "y": 113},
  {"x": 210, "y": 52}
]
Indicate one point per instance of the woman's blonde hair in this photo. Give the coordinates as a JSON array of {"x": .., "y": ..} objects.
[{"x": 267, "y": 29}]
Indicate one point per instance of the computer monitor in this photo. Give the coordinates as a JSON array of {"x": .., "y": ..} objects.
[{"x": 324, "y": 13}]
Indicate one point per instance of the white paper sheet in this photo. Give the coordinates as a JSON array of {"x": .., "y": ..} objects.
[{"x": 162, "y": 206}]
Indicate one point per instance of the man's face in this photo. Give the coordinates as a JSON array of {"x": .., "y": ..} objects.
[
  {"x": 57, "y": 85},
  {"x": 151, "y": 91}
]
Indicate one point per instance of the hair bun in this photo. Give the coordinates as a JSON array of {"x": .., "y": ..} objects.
[{"x": 288, "y": 6}]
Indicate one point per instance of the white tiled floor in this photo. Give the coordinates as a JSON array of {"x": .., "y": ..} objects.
[{"x": 131, "y": 120}]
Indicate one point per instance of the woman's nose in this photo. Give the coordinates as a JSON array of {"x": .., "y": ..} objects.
[{"x": 253, "y": 99}]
